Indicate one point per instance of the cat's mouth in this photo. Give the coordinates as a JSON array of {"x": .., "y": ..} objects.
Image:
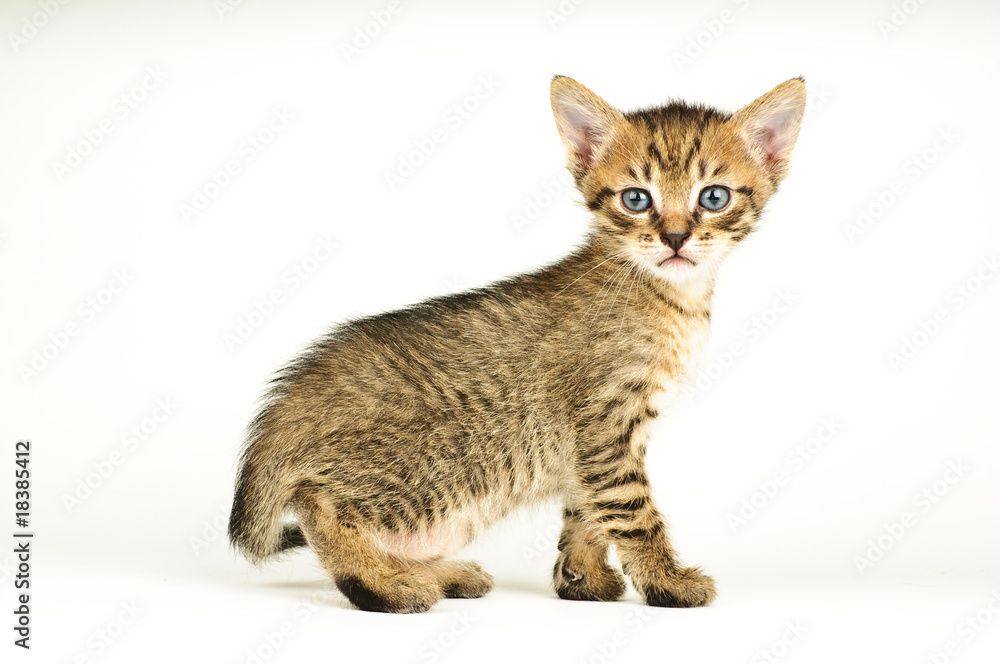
[{"x": 676, "y": 262}]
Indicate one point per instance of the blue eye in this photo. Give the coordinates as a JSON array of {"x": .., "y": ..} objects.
[
  {"x": 713, "y": 198},
  {"x": 636, "y": 200}
]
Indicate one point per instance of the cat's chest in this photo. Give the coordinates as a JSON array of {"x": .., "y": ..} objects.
[
  {"x": 676, "y": 351},
  {"x": 676, "y": 341}
]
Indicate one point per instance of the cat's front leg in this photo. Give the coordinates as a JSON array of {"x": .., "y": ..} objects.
[
  {"x": 620, "y": 502},
  {"x": 582, "y": 570}
]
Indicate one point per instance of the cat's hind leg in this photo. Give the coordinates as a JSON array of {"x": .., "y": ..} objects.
[{"x": 369, "y": 577}]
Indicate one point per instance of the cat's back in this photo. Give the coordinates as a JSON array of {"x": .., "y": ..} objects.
[
  {"x": 473, "y": 329},
  {"x": 457, "y": 360}
]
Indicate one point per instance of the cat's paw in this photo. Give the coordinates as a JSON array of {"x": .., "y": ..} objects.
[
  {"x": 401, "y": 593},
  {"x": 684, "y": 587},
  {"x": 580, "y": 580},
  {"x": 464, "y": 579}
]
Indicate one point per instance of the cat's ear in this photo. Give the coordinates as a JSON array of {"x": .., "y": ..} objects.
[
  {"x": 584, "y": 121},
  {"x": 771, "y": 124}
]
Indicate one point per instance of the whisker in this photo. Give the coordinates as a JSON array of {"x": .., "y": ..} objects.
[
  {"x": 608, "y": 283},
  {"x": 611, "y": 307},
  {"x": 628, "y": 296},
  {"x": 585, "y": 274}
]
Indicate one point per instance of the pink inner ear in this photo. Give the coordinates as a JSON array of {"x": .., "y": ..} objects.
[
  {"x": 770, "y": 142},
  {"x": 584, "y": 132},
  {"x": 585, "y": 148},
  {"x": 773, "y": 133}
]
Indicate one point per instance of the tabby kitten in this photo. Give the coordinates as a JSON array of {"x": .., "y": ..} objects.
[{"x": 396, "y": 438}]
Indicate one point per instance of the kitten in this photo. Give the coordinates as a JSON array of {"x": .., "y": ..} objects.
[{"x": 396, "y": 438}]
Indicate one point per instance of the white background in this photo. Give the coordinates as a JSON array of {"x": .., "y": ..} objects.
[{"x": 147, "y": 531}]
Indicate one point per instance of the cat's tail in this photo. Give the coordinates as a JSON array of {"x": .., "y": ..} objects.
[{"x": 263, "y": 492}]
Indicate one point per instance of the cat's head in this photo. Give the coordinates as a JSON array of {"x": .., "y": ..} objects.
[{"x": 674, "y": 188}]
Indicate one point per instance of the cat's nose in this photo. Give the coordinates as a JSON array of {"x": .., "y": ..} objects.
[{"x": 674, "y": 240}]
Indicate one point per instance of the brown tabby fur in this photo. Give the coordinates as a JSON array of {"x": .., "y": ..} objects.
[{"x": 395, "y": 439}]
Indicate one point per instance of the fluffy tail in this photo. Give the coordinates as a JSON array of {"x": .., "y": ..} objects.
[{"x": 255, "y": 527}]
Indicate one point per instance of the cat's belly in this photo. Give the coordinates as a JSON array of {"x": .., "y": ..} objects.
[
  {"x": 448, "y": 535},
  {"x": 438, "y": 540}
]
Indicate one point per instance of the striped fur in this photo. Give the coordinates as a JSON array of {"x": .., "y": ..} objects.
[{"x": 399, "y": 437}]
